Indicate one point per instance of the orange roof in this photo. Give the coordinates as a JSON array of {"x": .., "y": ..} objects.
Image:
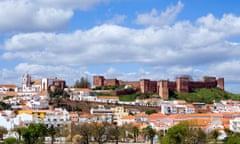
[
  {"x": 204, "y": 115},
  {"x": 136, "y": 124},
  {"x": 180, "y": 101},
  {"x": 84, "y": 90},
  {"x": 190, "y": 105},
  {"x": 177, "y": 116},
  {"x": 128, "y": 117},
  {"x": 226, "y": 126},
  {"x": 3, "y": 112},
  {"x": 37, "y": 82},
  {"x": 86, "y": 115},
  {"x": 156, "y": 116},
  {"x": 199, "y": 122},
  {"x": 8, "y": 85},
  {"x": 11, "y": 93},
  {"x": 141, "y": 114},
  {"x": 73, "y": 113}
]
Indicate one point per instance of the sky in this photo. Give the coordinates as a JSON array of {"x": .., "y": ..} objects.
[{"x": 123, "y": 39}]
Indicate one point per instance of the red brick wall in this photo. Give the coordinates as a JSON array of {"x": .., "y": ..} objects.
[
  {"x": 98, "y": 81},
  {"x": 195, "y": 85},
  {"x": 220, "y": 83},
  {"x": 112, "y": 82}
]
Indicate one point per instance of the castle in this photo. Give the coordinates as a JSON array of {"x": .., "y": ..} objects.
[{"x": 182, "y": 84}]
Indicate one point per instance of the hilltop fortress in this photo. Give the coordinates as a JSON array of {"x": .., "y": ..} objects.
[{"x": 182, "y": 84}]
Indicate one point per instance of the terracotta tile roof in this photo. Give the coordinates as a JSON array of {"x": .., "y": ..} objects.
[
  {"x": 177, "y": 116},
  {"x": 142, "y": 114},
  {"x": 200, "y": 122},
  {"x": 155, "y": 116},
  {"x": 11, "y": 93},
  {"x": 204, "y": 115},
  {"x": 8, "y": 85},
  {"x": 86, "y": 115},
  {"x": 37, "y": 82},
  {"x": 190, "y": 105},
  {"x": 128, "y": 117},
  {"x": 84, "y": 90}
]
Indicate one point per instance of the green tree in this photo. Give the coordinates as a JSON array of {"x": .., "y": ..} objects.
[
  {"x": 3, "y": 130},
  {"x": 52, "y": 132},
  {"x": 19, "y": 132},
  {"x": 184, "y": 133},
  {"x": 135, "y": 132},
  {"x": 233, "y": 139},
  {"x": 148, "y": 112},
  {"x": 85, "y": 131},
  {"x": 34, "y": 133},
  {"x": 4, "y": 106},
  {"x": 214, "y": 134},
  {"x": 113, "y": 133},
  {"x": 150, "y": 133},
  {"x": 10, "y": 140},
  {"x": 99, "y": 132},
  {"x": 83, "y": 83},
  {"x": 57, "y": 95}
]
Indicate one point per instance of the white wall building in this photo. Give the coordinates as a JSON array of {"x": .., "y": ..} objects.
[{"x": 234, "y": 125}]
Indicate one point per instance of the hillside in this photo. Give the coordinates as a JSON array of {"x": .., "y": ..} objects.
[{"x": 205, "y": 95}]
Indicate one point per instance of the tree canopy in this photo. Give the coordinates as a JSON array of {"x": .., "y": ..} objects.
[{"x": 82, "y": 83}]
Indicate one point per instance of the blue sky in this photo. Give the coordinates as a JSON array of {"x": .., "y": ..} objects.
[{"x": 126, "y": 39}]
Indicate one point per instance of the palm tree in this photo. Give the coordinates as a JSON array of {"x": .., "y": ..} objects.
[
  {"x": 150, "y": 133},
  {"x": 214, "y": 134},
  {"x": 52, "y": 131},
  {"x": 135, "y": 132}
]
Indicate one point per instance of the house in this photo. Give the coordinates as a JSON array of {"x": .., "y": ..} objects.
[
  {"x": 126, "y": 120},
  {"x": 56, "y": 117},
  {"x": 234, "y": 125},
  {"x": 8, "y": 87},
  {"x": 119, "y": 112},
  {"x": 103, "y": 113}
]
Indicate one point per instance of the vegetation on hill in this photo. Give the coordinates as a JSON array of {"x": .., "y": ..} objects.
[
  {"x": 4, "y": 106},
  {"x": 205, "y": 95},
  {"x": 134, "y": 96},
  {"x": 82, "y": 83}
]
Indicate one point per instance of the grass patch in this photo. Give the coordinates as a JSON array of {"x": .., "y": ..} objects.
[
  {"x": 206, "y": 95},
  {"x": 130, "y": 97}
]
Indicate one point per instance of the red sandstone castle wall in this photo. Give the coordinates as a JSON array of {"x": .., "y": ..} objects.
[
  {"x": 134, "y": 84},
  {"x": 98, "y": 81},
  {"x": 220, "y": 83},
  {"x": 181, "y": 85},
  {"x": 111, "y": 82},
  {"x": 172, "y": 86},
  {"x": 195, "y": 85},
  {"x": 152, "y": 87}
]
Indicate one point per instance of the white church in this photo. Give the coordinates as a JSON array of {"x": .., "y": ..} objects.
[{"x": 31, "y": 87}]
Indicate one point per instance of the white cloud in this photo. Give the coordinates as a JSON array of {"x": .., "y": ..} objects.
[
  {"x": 164, "y": 18},
  {"x": 71, "y": 4},
  {"x": 25, "y": 15},
  {"x": 182, "y": 44},
  {"x": 39, "y": 15},
  {"x": 228, "y": 69}
]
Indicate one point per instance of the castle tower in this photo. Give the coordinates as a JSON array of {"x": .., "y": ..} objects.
[
  {"x": 26, "y": 80},
  {"x": 163, "y": 89},
  {"x": 98, "y": 81},
  {"x": 182, "y": 84},
  {"x": 220, "y": 83},
  {"x": 144, "y": 85}
]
